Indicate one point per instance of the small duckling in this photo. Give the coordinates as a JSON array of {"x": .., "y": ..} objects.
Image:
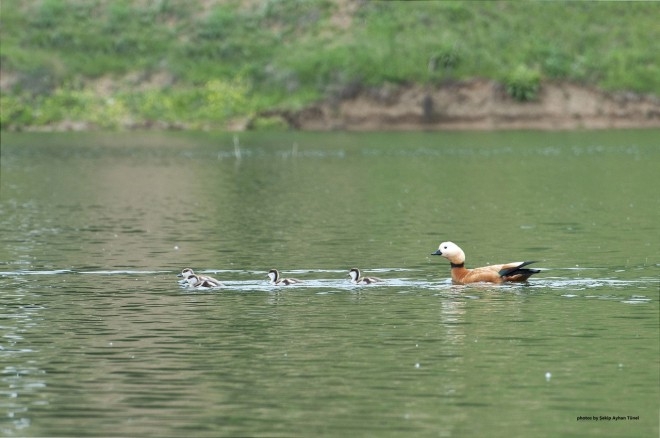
[
  {"x": 356, "y": 279},
  {"x": 275, "y": 279},
  {"x": 195, "y": 281},
  {"x": 188, "y": 273}
]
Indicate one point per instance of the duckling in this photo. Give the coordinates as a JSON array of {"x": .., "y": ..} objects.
[
  {"x": 202, "y": 282},
  {"x": 187, "y": 273},
  {"x": 509, "y": 272},
  {"x": 356, "y": 279},
  {"x": 275, "y": 279}
]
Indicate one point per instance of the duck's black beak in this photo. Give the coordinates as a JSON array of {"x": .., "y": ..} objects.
[
  {"x": 179, "y": 275},
  {"x": 438, "y": 252}
]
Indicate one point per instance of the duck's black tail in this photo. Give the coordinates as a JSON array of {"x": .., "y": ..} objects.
[{"x": 516, "y": 273}]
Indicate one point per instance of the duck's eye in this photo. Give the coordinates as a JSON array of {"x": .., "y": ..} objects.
[{"x": 445, "y": 247}]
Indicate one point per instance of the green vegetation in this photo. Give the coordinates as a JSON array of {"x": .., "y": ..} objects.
[
  {"x": 523, "y": 83},
  {"x": 201, "y": 63}
]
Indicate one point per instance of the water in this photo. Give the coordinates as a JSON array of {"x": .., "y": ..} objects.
[{"x": 99, "y": 339}]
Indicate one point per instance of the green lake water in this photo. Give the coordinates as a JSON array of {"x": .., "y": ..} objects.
[{"x": 99, "y": 339}]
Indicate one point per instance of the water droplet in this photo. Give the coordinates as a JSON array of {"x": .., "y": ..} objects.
[{"x": 548, "y": 376}]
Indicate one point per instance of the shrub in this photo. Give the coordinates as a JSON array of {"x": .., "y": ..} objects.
[
  {"x": 268, "y": 123},
  {"x": 523, "y": 83},
  {"x": 15, "y": 111}
]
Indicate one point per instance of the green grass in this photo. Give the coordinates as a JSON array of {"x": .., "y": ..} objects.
[{"x": 271, "y": 53}]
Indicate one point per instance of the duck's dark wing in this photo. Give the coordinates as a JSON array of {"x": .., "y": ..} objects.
[{"x": 518, "y": 272}]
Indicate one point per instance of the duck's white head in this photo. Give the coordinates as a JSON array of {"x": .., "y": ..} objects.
[
  {"x": 274, "y": 275},
  {"x": 354, "y": 274},
  {"x": 451, "y": 252}
]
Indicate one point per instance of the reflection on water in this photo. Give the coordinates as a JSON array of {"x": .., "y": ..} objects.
[{"x": 98, "y": 338}]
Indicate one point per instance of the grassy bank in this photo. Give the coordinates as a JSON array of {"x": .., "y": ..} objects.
[{"x": 196, "y": 63}]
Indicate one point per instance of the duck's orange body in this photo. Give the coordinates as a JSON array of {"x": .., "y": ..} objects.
[{"x": 508, "y": 272}]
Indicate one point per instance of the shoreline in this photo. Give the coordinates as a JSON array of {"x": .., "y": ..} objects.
[
  {"x": 480, "y": 105},
  {"x": 477, "y": 104}
]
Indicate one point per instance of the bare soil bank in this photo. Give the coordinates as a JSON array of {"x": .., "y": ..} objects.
[{"x": 474, "y": 105}]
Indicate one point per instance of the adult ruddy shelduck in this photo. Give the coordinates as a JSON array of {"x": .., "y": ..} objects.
[{"x": 489, "y": 274}]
